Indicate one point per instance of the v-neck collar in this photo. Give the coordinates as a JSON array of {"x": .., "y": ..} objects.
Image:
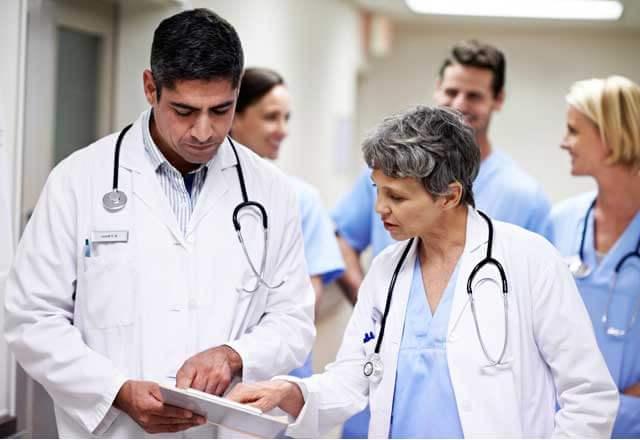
[{"x": 624, "y": 244}]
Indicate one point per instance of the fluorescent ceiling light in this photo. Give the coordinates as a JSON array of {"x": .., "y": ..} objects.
[{"x": 550, "y": 9}]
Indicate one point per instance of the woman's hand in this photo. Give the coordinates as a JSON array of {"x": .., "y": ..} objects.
[{"x": 270, "y": 394}]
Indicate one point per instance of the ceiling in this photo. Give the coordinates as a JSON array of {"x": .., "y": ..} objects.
[{"x": 398, "y": 11}]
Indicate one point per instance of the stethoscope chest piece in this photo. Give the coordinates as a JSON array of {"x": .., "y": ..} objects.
[
  {"x": 114, "y": 201},
  {"x": 372, "y": 368},
  {"x": 579, "y": 269}
]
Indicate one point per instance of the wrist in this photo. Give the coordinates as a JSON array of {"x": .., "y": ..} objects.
[
  {"x": 120, "y": 402},
  {"x": 293, "y": 399},
  {"x": 234, "y": 359}
]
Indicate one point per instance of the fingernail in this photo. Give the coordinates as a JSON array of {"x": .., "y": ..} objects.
[{"x": 201, "y": 420}]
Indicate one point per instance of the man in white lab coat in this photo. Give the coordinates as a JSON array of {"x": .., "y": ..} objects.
[{"x": 110, "y": 296}]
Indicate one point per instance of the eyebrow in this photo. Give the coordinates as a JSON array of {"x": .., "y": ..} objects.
[{"x": 190, "y": 108}]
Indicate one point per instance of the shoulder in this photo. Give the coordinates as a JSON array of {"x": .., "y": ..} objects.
[
  {"x": 389, "y": 255},
  {"x": 516, "y": 180},
  {"x": 572, "y": 207},
  {"x": 521, "y": 241},
  {"x": 96, "y": 158},
  {"x": 259, "y": 170}
]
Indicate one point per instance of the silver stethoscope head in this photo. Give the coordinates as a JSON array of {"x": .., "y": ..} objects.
[
  {"x": 372, "y": 368},
  {"x": 578, "y": 268},
  {"x": 114, "y": 201}
]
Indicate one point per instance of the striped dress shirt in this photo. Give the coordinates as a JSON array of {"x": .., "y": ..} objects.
[{"x": 171, "y": 180}]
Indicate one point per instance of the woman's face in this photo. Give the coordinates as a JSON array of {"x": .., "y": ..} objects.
[
  {"x": 263, "y": 125},
  {"x": 404, "y": 205},
  {"x": 587, "y": 150}
]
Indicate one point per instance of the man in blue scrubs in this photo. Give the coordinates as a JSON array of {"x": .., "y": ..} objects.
[{"x": 471, "y": 80}]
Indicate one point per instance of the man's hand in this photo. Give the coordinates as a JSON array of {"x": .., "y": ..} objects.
[
  {"x": 633, "y": 390},
  {"x": 269, "y": 394},
  {"x": 210, "y": 371},
  {"x": 142, "y": 401}
]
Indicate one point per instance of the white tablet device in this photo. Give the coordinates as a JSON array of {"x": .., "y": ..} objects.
[{"x": 224, "y": 412}]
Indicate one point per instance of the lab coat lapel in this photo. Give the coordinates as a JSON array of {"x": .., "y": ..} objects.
[
  {"x": 474, "y": 250},
  {"x": 145, "y": 184},
  {"x": 220, "y": 175}
]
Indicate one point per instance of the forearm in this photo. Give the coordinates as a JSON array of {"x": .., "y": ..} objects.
[{"x": 351, "y": 279}]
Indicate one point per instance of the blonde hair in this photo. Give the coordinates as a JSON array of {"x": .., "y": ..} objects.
[{"x": 613, "y": 105}]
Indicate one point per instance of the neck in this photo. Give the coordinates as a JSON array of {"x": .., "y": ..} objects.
[
  {"x": 482, "y": 139},
  {"x": 618, "y": 192},
  {"x": 446, "y": 240}
]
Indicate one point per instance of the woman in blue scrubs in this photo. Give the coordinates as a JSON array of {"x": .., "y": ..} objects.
[
  {"x": 599, "y": 232},
  {"x": 261, "y": 123}
]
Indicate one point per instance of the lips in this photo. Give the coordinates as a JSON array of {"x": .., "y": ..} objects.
[{"x": 388, "y": 225}]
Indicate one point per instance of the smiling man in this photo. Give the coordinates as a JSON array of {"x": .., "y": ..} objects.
[{"x": 104, "y": 304}]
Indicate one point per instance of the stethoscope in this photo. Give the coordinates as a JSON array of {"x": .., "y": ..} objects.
[
  {"x": 115, "y": 200},
  {"x": 580, "y": 270},
  {"x": 373, "y": 367}
]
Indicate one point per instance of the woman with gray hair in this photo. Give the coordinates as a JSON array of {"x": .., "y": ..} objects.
[{"x": 459, "y": 329}]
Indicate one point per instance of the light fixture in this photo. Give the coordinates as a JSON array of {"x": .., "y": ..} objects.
[{"x": 546, "y": 9}]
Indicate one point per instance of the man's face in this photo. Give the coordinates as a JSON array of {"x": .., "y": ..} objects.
[
  {"x": 468, "y": 90},
  {"x": 191, "y": 119}
]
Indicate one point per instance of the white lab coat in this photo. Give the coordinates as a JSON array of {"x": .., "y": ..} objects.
[
  {"x": 143, "y": 307},
  {"x": 551, "y": 347}
]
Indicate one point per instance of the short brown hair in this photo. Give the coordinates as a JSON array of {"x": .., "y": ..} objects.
[{"x": 475, "y": 53}]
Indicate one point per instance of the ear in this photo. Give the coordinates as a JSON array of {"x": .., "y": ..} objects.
[
  {"x": 149, "y": 85},
  {"x": 453, "y": 198},
  {"x": 499, "y": 101}
]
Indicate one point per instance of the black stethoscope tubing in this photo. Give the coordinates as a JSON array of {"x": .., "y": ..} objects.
[
  {"x": 116, "y": 200},
  {"x": 488, "y": 259},
  {"x": 635, "y": 253}
]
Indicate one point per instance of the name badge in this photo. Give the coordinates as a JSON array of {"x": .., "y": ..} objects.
[{"x": 110, "y": 236}]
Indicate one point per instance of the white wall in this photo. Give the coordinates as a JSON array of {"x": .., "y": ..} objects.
[
  {"x": 541, "y": 66},
  {"x": 12, "y": 26}
]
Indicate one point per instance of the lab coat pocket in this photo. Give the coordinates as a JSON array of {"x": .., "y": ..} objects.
[{"x": 105, "y": 292}]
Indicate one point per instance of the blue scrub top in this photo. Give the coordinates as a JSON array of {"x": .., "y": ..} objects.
[
  {"x": 622, "y": 355},
  {"x": 321, "y": 250},
  {"x": 424, "y": 404},
  {"x": 502, "y": 190}
]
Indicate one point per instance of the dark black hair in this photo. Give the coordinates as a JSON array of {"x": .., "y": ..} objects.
[
  {"x": 256, "y": 82},
  {"x": 195, "y": 45},
  {"x": 475, "y": 53}
]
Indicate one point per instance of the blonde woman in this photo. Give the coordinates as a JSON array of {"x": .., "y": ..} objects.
[{"x": 599, "y": 233}]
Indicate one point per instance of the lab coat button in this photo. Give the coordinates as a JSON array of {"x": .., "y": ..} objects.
[{"x": 465, "y": 405}]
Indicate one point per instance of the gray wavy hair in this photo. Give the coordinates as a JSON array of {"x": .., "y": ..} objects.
[{"x": 432, "y": 144}]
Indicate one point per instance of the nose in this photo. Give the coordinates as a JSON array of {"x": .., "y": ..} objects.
[
  {"x": 382, "y": 208},
  {"x": 201, "y": 129},
  {"x": 564, "y": 144},
  {"x": 282, "y": 130}
]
